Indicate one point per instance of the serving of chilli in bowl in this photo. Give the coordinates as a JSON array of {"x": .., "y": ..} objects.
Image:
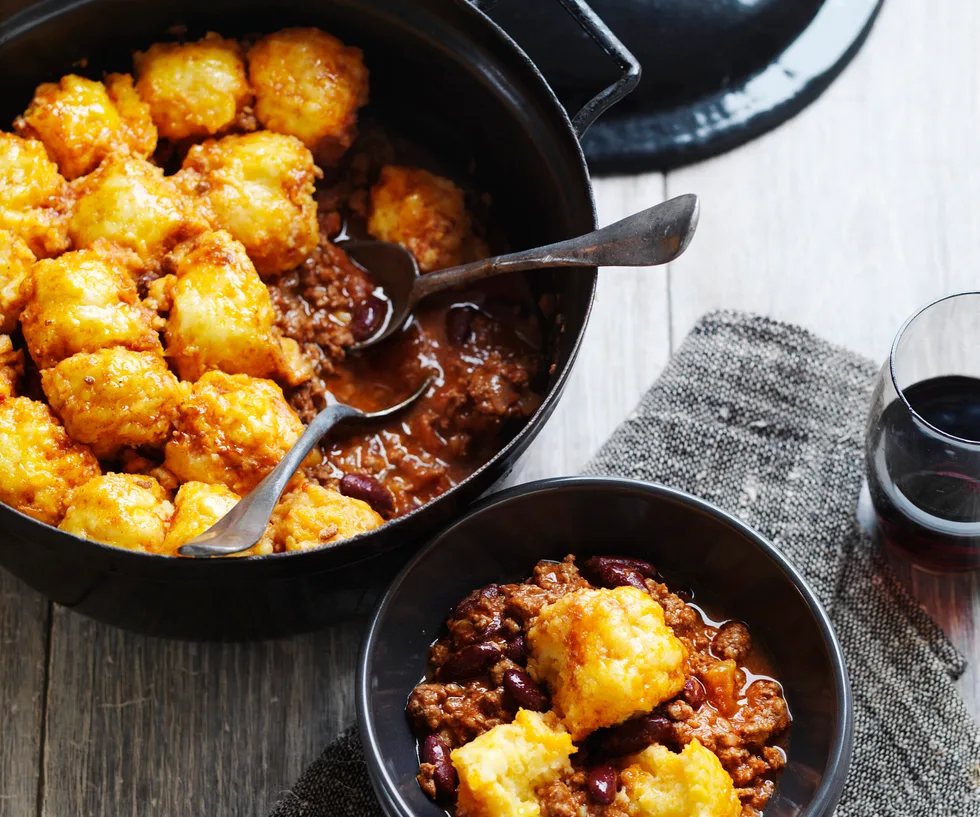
[
  {"x": 594, "y": 689},
  {"x": 175, "y": 300},
  {"x": 602, "y": 647}
]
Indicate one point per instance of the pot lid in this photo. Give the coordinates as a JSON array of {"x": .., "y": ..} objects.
[{"x": 716, "y": 73}]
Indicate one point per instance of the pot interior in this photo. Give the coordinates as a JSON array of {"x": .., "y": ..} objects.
[{"x": 442, "y": 76}]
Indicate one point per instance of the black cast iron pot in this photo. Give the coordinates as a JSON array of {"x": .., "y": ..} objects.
[{"x": 441, "y": 72}]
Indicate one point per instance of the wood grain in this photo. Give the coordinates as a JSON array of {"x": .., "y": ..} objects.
[
  {"x": 139, "y": 726},
  {"x": 23, "y": 644}
]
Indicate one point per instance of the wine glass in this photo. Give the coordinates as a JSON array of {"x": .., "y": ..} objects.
[{"x": 922, "y": 446}]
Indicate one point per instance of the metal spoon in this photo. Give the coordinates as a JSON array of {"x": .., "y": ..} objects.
[
  {"x": 649, "y": 238},
  {"x": 244, "y": 524}
]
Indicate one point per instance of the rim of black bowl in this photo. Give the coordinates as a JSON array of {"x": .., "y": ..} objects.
[{"x": 828, "y": 792}]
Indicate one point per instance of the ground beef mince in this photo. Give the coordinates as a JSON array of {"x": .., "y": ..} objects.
[
  {"x": 732, "y": 641},
  {"x": 730, "y": 702},
  {"x": 458, "y": 712},
  {"x": 569, "y": 797},
  {"x": 482, "y": 346}
]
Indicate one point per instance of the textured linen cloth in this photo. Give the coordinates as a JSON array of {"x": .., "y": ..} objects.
[{"x": 767, "y": 421}]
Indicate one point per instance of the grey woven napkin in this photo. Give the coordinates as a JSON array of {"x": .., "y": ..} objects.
[{"x": 767, "y": 421}]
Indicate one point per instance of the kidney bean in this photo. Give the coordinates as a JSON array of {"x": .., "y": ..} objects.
[
  {"x": 465, "y": 607},
  {"x": 639, "y": 565},
  {"x": 362, "y": 486},
  {"x": 470, "y": 661},
  {"x": 526, "y": 694},
  {"x": 634, "y": 735},
  {"x": 515, "y": 650},
  {"x": 685, "y": 596},
  {"x": 491, "y": 626},
  {"x": 694, "y": 692},
  {"x": 435, "y": 751},
  {"x": 367, "y": 318},
  {"x": 459, "y": 321},
  {"x": 602, "y": 783},
  {"x": 610, "y": 574}
]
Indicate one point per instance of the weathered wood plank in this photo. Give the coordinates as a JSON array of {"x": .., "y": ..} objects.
[
  {"x": 23, "y": 642},
  {"x": 142, "y": 726}
]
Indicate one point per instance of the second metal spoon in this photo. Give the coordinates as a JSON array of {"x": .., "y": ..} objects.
[
  {"x": 244, "y": 524},
  {"x": 651, "y": 237}
]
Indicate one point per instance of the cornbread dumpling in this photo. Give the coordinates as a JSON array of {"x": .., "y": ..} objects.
[
  {"x": 310, "y": 85},
  {"x": 130, "y": 202},
  {"x": 193, "y": 89},
  {"x": 130, "y": 511},
  {"x": 16, "y": 260},
  {"x": 221, "y": 315},
  {"x": 606, "y": 655},
  {"x": 81, "y": 122},
  {"x": 426, "y": 214},
  {"x": 11, "y": 367},
  {"x": 114, "y": 398},
  {"x": 35, "y": 199},
  {"x": 42, "y": 464},
  {"x": 83, "y": 301},
  {"x": 258, "y": 187},
  {"x": 500, "y": 770},
  {"x": 661, "y": 783},
  {"x": 232, "y": 430},
  {"x": 312, "y": 516},
  {"x": 197, "y": 506}
]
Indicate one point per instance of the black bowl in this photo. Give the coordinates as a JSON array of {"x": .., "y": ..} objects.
[{"x": 733, "y": 569}]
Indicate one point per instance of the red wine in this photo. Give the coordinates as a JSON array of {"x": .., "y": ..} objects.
[{"x": 925, "y": 486}]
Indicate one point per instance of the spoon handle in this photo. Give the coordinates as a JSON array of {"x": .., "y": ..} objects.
[
  {"x": 651, "y": 237},
  {"x": 244, "y": 524}
]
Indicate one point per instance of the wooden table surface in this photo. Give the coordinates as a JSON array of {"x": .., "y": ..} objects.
[{"x": 843, "y": 220}]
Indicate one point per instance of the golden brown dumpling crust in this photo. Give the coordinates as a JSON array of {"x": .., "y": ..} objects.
[
  {"x": 197, "y": 507},
  {"x": 258, "y": 187},
  {"x": 11, "y": 367},
  {"x": 231, "y": 430},
  {"x": 81, "y": 122},
  {"x": 42, "y": 464},
  {"x": 221, "y": 314},
  {"x": 606, "y": 655},
  {"x": 84, "y": 301},
  {"x": 427, "y": 215},
  {"x": 114, "y": 399},
  {"x": 35, "y": 199},
  {"x": 130, "y": 511},
  {"x": 193, "y": 89},
  {"x": 312, "y": 516},
  {"x": 16, "y": 261},
  {"x": 130, "y": 202},
  {"x": 309, "y": 84},
  {"x": 660, "y": 783}
]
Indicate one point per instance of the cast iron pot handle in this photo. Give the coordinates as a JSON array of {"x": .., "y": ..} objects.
[{"x": 610, "y": 44}]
